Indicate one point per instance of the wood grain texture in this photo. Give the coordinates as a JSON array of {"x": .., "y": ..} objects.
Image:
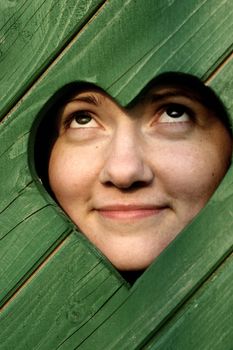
[
  {"x": 26, "y": 245},
  {"x": 205, "y": 322},
  {"x": 70, "y": 289},
  {"x": 167, "y": 42},
  {"x": 191, "y": 39},
  {"x": 32, "y": 34},
  {"x": 105, "y": 314}
]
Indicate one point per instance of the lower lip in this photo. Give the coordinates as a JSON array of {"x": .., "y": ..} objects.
[{"x": 130, "y": 214}]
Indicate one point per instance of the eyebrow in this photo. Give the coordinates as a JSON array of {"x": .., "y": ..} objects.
[
  {"x": 90, "y": 98},
  {"x": 159, "y": 96}
]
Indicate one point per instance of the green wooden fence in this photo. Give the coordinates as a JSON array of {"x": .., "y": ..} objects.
[{"x": 56, "y": 290}]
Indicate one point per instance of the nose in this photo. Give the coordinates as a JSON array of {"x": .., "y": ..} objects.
[{"x": 125, "y": 162}]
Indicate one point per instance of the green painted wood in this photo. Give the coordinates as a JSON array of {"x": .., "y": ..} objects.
[
  {"x": 25, "y": 246},
  {"x": 206, "y": 321},
  {"x": 61, "y": 298},
  {"x": 191, "y": 37},
  {"x": 123, "y": 318},
  {"x": 32, "y": 34}
]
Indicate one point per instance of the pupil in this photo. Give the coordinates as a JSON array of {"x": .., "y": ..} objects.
[
  {"x": 83, "y": 119},
  {"x": 175, "y": 111}
]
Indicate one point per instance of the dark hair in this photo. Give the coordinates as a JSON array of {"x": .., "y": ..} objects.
[
  {"x": 47, "y": 130},
  {"x": 47, "y": 127}
]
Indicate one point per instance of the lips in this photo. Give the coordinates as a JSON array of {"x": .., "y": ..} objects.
[{"x": 124, "y": 212}]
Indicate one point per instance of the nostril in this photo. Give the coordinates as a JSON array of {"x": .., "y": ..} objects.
[
  {"x": 137, "y": 185},
  {"x": 128, "y": 188}
]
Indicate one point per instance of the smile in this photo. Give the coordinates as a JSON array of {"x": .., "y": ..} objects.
[{"x": 124, "y": 212}]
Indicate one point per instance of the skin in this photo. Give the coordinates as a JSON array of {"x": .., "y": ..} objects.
[{"x": 132, "y": 179}]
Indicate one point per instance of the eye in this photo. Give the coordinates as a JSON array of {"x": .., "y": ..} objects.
[
  {"x": 81, "y": 119},
  {"x": 175, "y": 113}
]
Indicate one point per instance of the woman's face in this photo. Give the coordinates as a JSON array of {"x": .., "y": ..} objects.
[{"x": 132, "y": 179}]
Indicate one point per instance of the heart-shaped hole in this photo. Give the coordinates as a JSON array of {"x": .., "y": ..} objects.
[{"x": 131, "y": 178}]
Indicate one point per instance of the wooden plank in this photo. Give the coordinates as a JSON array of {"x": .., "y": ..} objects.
[
  {"x": 205, "y": 322},
  {"x": 223, "y": 84},
  {"x": 32, "y": 33},
  {"x": 29, "y": 226},
  {"x": 195, "y": 28},
  {"x": 61, "y": 298},
  {"x": 13, "y": 172},
  {"x": 25, "y": 206},
  {"x": 197, "y": 44},
  {"x": 27, "y": 244}
]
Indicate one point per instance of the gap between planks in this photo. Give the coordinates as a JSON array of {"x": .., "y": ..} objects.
[
  {"x": 167, "y": 322},
  {"x": 219, "y": 68},
  {"x": 39, "y": 268}
]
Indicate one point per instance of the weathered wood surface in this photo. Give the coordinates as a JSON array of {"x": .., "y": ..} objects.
[
  {"x": 68, "y": 290},
  {"x": 51, "y": 279},
  {"x": 33, "y": 33},
  {"x": 205, "y": 322}
]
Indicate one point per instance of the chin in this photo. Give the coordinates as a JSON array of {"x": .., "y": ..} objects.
[{"x": 132, "y": 264}]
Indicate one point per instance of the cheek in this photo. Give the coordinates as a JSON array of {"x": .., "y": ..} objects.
[
  {"x": 193, "y": 173},
  {"x": 70, "y": 175}
]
